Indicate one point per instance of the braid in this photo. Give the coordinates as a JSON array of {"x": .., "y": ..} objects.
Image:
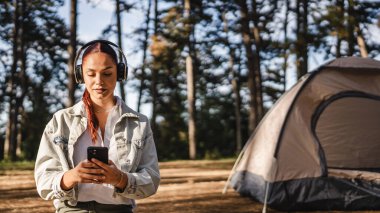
[{"x": 92, "y": 121}]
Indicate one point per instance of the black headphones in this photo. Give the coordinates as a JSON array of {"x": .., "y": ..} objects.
[{"x": 122, "y": 68}]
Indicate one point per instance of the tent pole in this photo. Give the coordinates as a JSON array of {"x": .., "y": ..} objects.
[
  {"x": 266, "y": 197},
  {"x": 233, "y": 169}
]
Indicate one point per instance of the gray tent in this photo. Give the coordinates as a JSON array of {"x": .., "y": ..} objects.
[{"x": 319, "y": 145}]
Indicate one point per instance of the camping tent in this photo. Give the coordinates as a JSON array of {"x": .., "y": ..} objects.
[{"x": 319, "y": 145}]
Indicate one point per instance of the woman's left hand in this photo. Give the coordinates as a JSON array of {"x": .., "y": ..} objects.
[{"x": 112, "y": 174}]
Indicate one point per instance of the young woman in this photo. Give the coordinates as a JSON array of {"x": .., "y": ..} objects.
[{"x": 62, "y": 171}]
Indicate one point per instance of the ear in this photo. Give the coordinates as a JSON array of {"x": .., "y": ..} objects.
[
  {"x": 78, "y": 74},
  {"x": 122, "y": 72}
]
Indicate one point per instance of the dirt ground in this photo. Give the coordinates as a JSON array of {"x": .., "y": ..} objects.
[{"x": 186, "y": 186}]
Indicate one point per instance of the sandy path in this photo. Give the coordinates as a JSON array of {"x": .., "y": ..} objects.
[{"x": 186, "y": 186}]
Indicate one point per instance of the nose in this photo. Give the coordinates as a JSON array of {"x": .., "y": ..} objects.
[{"x": 98, "y": 79}]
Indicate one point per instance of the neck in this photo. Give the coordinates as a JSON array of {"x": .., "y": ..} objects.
[{"x": 103, "y": 104}]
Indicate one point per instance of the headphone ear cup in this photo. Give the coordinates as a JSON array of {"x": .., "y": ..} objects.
[
  {"x": 122, "y": 72},
  {"x": 78, "y": 74}
]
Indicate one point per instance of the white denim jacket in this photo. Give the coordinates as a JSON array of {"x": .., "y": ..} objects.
[{"x": 136, "y": 153}]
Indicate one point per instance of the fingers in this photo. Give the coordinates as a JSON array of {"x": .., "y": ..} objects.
[
  {"x": 88, "y": 164},
  {"x": 92, "y": 171},
  {"x": 91, "y": 178},
  {"x": 100, "y": 164}
]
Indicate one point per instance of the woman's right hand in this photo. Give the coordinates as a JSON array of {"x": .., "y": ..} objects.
[{"x": 84, "y": 172}]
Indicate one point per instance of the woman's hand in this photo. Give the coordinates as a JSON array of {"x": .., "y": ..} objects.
[
  {"x": 84, "y": 172},
  {"x": 112, "y": 175}
]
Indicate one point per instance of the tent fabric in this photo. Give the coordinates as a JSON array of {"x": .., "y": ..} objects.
[
  {"x": 328, "y": 119},
  {"x": 322, "y": 193},
  {"x": 354, "y": 174}
]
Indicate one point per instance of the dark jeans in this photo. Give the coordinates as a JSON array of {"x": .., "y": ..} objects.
[{"x": 93, "y": 207}]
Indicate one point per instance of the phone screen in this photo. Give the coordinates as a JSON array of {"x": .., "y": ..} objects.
[{"x": 98, "y": 152}]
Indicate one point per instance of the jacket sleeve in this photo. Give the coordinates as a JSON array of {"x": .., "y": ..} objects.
[
  {"x": 50, "y": 166},
  {"x": 145, "y": 181}
]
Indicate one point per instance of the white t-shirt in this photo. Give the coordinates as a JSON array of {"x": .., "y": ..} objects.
[{"x": 101, "y": 193}]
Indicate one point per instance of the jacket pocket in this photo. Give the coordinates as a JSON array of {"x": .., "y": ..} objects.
[
  {"x": 123, "y": 149},
  {"x": 137, "y": 150}
]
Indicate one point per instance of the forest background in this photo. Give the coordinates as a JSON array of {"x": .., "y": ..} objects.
[{"x": 205, "y": 72}]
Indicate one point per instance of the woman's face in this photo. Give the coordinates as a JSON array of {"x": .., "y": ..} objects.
[{"x": 99, "y": 74}]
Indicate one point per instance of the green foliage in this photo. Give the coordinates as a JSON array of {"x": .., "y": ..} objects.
[
  {"x": 44, "y": 39},
  {"x": 215, "y": 41}
]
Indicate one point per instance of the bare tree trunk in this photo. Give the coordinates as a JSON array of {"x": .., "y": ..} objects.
[
  {"x": 236, "y": 90},
  {"x": 191, "y": 107},
  {"x": 361, "y": 41},
  {"x": 23, "y": 81},
  {"x": 235, "y": 86},
  {"x": 11, "y": 132},
  {"x": 119, "y": 43},
  {"x": 286, "y": 44},
  {"x": 304, "y": 53},
  {"x": 154, "y": 75},
  {"x": 247, "y": 41},
  {"x": 256, "y": 62},
  {"x": 359, "y": 36},
  {"x": 340, "y": 13},
  {"x": 71, "y": 49},
  {"x": 190, "y": 87},
  {"x": 350, "y": 28},
  {"x": 145, "y": 46},
  {"x": 301, "y": 31}
]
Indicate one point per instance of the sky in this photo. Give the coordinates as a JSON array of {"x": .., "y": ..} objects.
[{"x": 92, "y": 20}]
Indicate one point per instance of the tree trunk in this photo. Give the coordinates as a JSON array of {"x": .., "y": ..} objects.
[
  {"x": 359, "y": 36},
  {"x": 361, "y": 41},
  {"x": 71, "y": 49},
  {"x": 145, "y": 48},
  {"x": 236, "y": 90},
  {"x": 190, "y": 86},
  {"x": 119, "y": 43},
  {"x": 154, "y": 76},
  {"x": 191, "y": 107},
  {"x": 23, "y": 80},
  {"x": 350, "y": 28},
  {"x": 301, "y": 32},
  {"x": 340, "y": 13},
  {"x": 247, "y": 38},
  {"x": 286, "y": 44},
  {"x": 235, "y": 86},
  {"x": 11, "y": 131},
  {"x": 304, "y": 53},
  {"x": 256, "y": 62}
]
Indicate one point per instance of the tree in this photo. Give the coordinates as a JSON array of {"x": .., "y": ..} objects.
[
  {"x": 302, "y": 37},
  {"x": 41, "y": 35},
  {"x": 71, "y": 49},
  {"x": 10, "y": 141},
  {"x": 252, "y": 83},
  {"x": 235, "y": 75},
  {"x": 142, "y": 75},
  {"x": 154, "y": 74},
  {"x": 190, "y": 84},
  {"x": 119, "y": 42}
]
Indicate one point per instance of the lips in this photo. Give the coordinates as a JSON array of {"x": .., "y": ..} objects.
[{"x": 100, "y": 90}]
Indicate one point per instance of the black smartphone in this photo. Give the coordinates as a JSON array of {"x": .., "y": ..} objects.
[{"x": 98, "y": 152}]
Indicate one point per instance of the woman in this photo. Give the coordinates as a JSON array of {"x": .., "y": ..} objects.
[{"x": 62, "y": 171}]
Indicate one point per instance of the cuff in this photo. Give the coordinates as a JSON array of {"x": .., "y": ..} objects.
[
  {"x": 131, "y": 186},
  {"x": 58, "y": 191}
]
